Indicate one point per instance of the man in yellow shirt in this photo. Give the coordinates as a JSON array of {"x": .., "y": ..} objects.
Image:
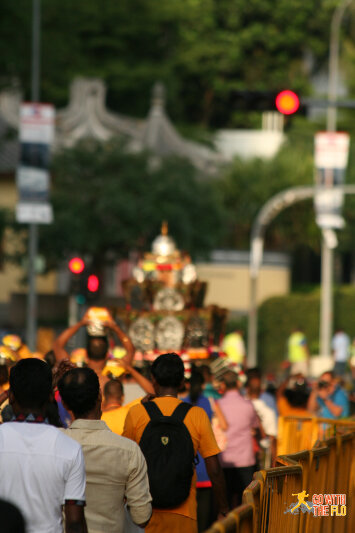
[
  {"x": 113, "y": 411},
  {"x": 233, "y": 346},
  {"x": 298, "y": 352},
  {"x": 167, "y": 377}
]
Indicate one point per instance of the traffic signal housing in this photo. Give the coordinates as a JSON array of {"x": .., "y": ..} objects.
[
  {"x": 84, "y": 283},
  {"x": 76, "y": 265},
  {"x": 93, "y": 284},
  {"x": 286, "y": 102}
]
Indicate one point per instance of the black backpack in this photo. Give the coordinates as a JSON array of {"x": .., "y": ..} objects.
[{"x": 168, "y": 449}]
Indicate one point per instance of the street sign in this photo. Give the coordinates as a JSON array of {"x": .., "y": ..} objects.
[
  {"x": 32, "y": 176},
  {"x": 29, "y": 213},
  {"x": 332, "y": 150},
  {"x": 331, "y": 159},
  {"x": 32, "y": 184}
]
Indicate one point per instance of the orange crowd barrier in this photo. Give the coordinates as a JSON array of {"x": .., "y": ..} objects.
[
  {"x": 326, "y": 468},
  {"x": 301, "y": 433}
]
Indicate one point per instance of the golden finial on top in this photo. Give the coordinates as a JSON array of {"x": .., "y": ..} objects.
[{"x": 164, "y": 228}]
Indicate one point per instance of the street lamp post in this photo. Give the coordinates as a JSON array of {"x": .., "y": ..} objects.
[
  {"x": 268, "y": 212},
  {"x": 333, "y": 65},
  {"x": 326, "y": 308}
]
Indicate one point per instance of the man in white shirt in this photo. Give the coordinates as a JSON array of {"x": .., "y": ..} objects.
[
  {"x": 341, "y": 351},
  {"x": 42, "y": 469}
]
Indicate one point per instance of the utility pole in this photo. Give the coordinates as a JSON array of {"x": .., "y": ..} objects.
[
  {"x": 327, "y": 269},
  {"x": 31, "y": 321}
]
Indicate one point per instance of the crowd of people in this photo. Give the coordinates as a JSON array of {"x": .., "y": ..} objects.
[{"x": 86, "y": 450}]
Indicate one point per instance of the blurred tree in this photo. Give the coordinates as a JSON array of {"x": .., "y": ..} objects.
[
  {"x": 108, "y": 202},
  {"x": 201, "y": 49},
  {"x": 247, "y": 185}
]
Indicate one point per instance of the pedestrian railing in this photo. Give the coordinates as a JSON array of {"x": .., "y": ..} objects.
[
  {"x": 273, "y": 502},
  {"x": 302, "y": 433},
  {"x": 240, "y": 520}
]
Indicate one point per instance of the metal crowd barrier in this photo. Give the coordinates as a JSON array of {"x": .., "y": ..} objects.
[
  {"x": 302, "y": 433},
  {"x": 326, "y": 468}
]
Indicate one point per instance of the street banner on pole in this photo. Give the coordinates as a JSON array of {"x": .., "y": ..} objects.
[
  {"x": 331, "y": 159},
  {"x": 32, "y": 177}
]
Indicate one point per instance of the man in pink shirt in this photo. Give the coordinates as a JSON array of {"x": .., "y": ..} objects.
[{"x": 238, "y": 459}]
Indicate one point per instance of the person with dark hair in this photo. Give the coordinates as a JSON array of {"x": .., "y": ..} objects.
[
  {"x": 292, "y": 396},
  {"x": 168, "y": 378},
  {"x": 115, "y": 466},
  {"x": 11, "y": 518},
  {"x": 209, "y": 391},
  {"x": 113, "y": 390},
  {"x": 266, "y": 396},
  {"x": 238, "y": 459},
  {"x": 96, "y": 348},
  {"x": 267, "y": 418},
  {"x": 328, "y": 399},
  {"x": 204, "y": 494},
  {"x": 42, "y": 469},
  {"x": 4, "y": 377},
  {"x": 50, "y": 359}
]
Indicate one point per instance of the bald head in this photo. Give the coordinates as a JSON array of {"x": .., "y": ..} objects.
[{"x": 113, "y": 390}]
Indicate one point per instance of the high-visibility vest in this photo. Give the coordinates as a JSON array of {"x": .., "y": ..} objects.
[
  {"x": 233, "y": 346},
  {"x": 297, "y": 347}
]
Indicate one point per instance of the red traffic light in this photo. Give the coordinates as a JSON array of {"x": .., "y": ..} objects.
[
  {"x": 76, "y": 265},
  {"x": 287, "y": 102},
  {"x": 93, "y": 283}
]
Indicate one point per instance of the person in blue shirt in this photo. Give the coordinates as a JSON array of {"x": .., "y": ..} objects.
[
  {"x": 209, "y": 390},
  {"x": 204, "y": 496},
  {"x": 327, "y": 399}
]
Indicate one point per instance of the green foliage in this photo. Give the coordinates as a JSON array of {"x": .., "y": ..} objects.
[
  {"x": 201, "y": 49},
  {"x": 278, "y": 316},
  {"x": 247, "y": 185},
  {"x": 237, "y": 323},
  {"x": 108, "y": 202}
]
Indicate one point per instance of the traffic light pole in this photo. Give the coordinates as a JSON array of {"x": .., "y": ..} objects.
[
  {"x": 73, "y": 315},
  {"x": 31, "y": 319}
]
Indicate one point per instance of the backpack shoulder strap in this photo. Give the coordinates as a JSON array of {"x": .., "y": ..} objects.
[
  {"x": 152, "y": 409},
  {"x": 181, "y": 411}
]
